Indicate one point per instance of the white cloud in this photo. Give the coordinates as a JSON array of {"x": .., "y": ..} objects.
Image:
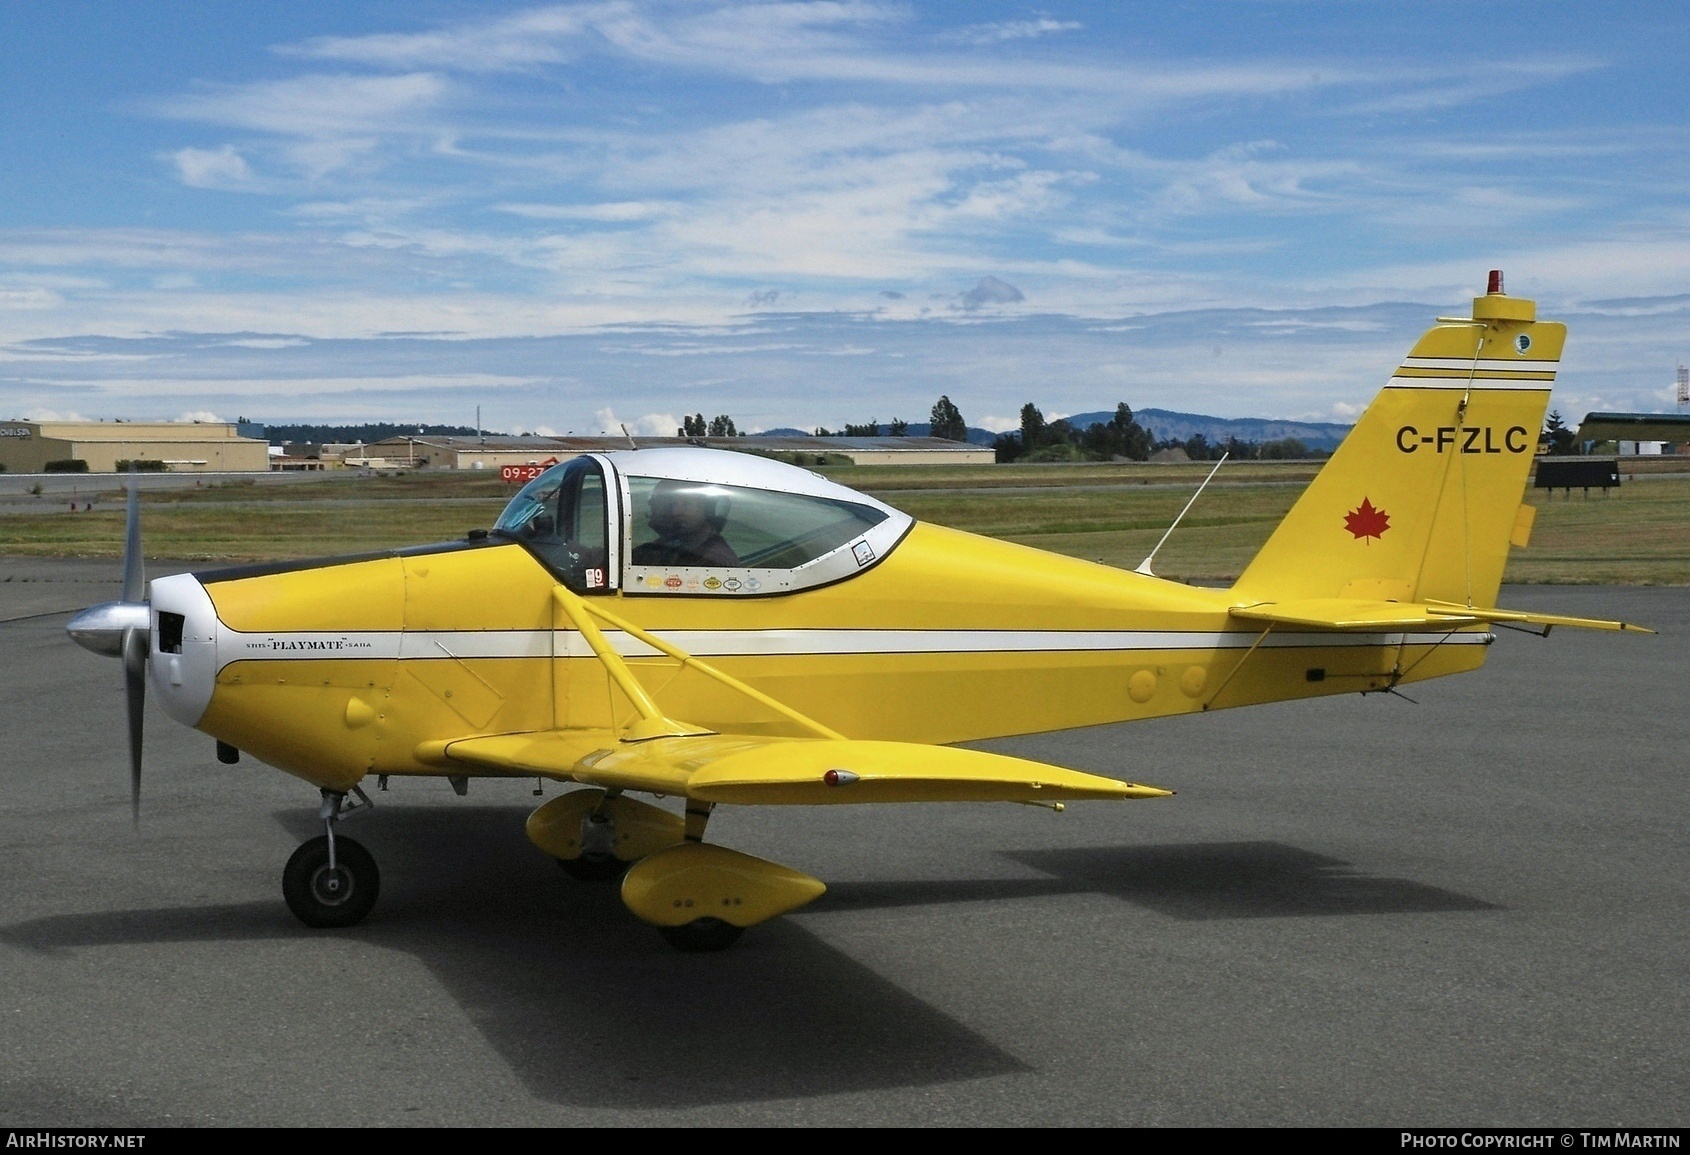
[
  {"x": 777, "y": 43},
  {"x": 605, "y": 420},
  {"x": 199, "y": 415},
  {"x": 616, "y": 212},
  {"x": 34, "y": 297},
  {"x": 657, "y": 425},
  {"x": 521, "y": 41},
  {"x": 265, "y": 342},
  {"x": 328, "y": 121},
  {"x": 1013, "y": 30},
  {"x": 318, "y": 106},
  {"x": 222, "y": 168},
  {"x": 997, "y": 424}
]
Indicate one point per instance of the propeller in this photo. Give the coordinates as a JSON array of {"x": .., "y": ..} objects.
[{"x": 123, "y": 629}]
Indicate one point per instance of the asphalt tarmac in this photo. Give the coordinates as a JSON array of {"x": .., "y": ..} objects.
[{"x": 1356, "y": 911}]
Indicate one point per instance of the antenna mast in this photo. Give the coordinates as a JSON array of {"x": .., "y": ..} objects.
[
  {"x": 1683, "y": 386},
  {"x": 1144, "y": 566}
]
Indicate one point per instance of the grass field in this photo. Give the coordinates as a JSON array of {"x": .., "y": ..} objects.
[{"x": 1108, "y": 513}]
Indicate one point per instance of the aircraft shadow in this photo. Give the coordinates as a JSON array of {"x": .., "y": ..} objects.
[
  {"x": 588, "y": 1006},
  {"x": 1239, "y": 880}
]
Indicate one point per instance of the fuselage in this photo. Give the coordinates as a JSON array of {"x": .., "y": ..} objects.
[{"x": 339, "y": 669}]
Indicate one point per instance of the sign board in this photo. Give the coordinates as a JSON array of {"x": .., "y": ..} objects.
[
  {"x": 523, "y": 474},
  {"x": 1588, "y": 475}
]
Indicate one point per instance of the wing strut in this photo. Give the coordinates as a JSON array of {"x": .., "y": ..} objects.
[
  {"x": 709, "y": 671},
  {"x": 653, "y": 723}
]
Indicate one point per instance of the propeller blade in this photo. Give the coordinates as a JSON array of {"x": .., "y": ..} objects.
[
  {"x": 134, "y": 569},
  {"x": 135, "y": 643}
]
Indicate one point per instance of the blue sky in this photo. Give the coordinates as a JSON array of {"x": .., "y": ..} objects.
[{"x": 581, "y": 214}]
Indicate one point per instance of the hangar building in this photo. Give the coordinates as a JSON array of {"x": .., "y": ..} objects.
[
  {"x": 1640, "y": 433},
  {"x": 183, "y": 446}
]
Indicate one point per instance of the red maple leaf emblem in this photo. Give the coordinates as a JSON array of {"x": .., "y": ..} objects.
[{"x": 1365, "y": 521}]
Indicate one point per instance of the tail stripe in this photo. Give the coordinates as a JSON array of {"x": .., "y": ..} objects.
[
  {"x": 1459, "y": 383},
  {"x": 1466, "y": 365}
]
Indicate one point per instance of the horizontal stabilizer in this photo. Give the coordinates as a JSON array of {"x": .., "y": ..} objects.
[
  {"x": 1351, "y": 614},
  {"x": 1376, "y": 616},
  {"x": 1532, "y": 617}
]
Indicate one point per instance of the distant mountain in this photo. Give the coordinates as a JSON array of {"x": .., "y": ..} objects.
[
  {"x": 1166, "y": 424},
  {"x": 917, "y": 429}
]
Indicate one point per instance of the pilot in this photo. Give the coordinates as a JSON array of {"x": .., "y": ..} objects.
[{"x": 688, "y": 523}]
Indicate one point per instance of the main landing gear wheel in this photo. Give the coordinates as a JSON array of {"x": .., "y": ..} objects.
[
  {"x": 323, "y": 896},
  {"x": 702, "y": 934},
  {"x": 594, "y": 867}
]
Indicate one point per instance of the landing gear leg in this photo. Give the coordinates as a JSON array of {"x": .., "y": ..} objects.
[
  {"x": 597, "y": 861},
  {"x": 698, "y": 816},
  {"x": 331, "y": 881}
]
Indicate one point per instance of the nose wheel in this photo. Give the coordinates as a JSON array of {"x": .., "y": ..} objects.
[
  {"x": 325, "y": 894},
  {"x": 331, "y": 881}
]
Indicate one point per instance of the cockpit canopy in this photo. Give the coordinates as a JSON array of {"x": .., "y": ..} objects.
[{"x": 697, "y": 521}]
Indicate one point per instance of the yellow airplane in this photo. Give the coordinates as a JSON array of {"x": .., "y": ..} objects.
[{"x": 724, "y": 629}]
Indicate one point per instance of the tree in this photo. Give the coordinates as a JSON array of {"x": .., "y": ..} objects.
[
  {"x": 898, "y": 428},
  {"x": 1237, "y": 450},
  {"x": 1120, "y": 436},
  {"x": 946, "y": 421},
  {"x": 693, "y": 426},
  {"x": 722, "y": 425},
  {"x": 872, "y": 429},
  {"x": 1557, "y": 439},
  {"x": 1032, "y": 427}
]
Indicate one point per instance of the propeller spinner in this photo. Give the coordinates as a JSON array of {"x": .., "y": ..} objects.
[{"x": 123, "y": 629}]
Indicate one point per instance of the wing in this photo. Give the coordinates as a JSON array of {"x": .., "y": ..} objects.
[
  {"x": 1375, "y": 616},
  {"x": 751, "y": 769},
  {"x": 663, "y": 756}
]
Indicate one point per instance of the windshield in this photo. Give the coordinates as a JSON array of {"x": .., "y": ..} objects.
[
  {"x": 690, "y": 523},
  {"x": 561, "y": 517}
]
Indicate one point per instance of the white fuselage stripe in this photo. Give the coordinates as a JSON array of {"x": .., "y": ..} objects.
[{"x": 234, "y": 646}]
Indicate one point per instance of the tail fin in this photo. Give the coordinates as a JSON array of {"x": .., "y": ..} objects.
[{"x": 1421, "y": 498}]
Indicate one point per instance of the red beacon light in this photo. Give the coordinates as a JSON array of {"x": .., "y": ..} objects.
[
  {"x": 839, "y": 777},
  {"x": 1498, "y": 306}
]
